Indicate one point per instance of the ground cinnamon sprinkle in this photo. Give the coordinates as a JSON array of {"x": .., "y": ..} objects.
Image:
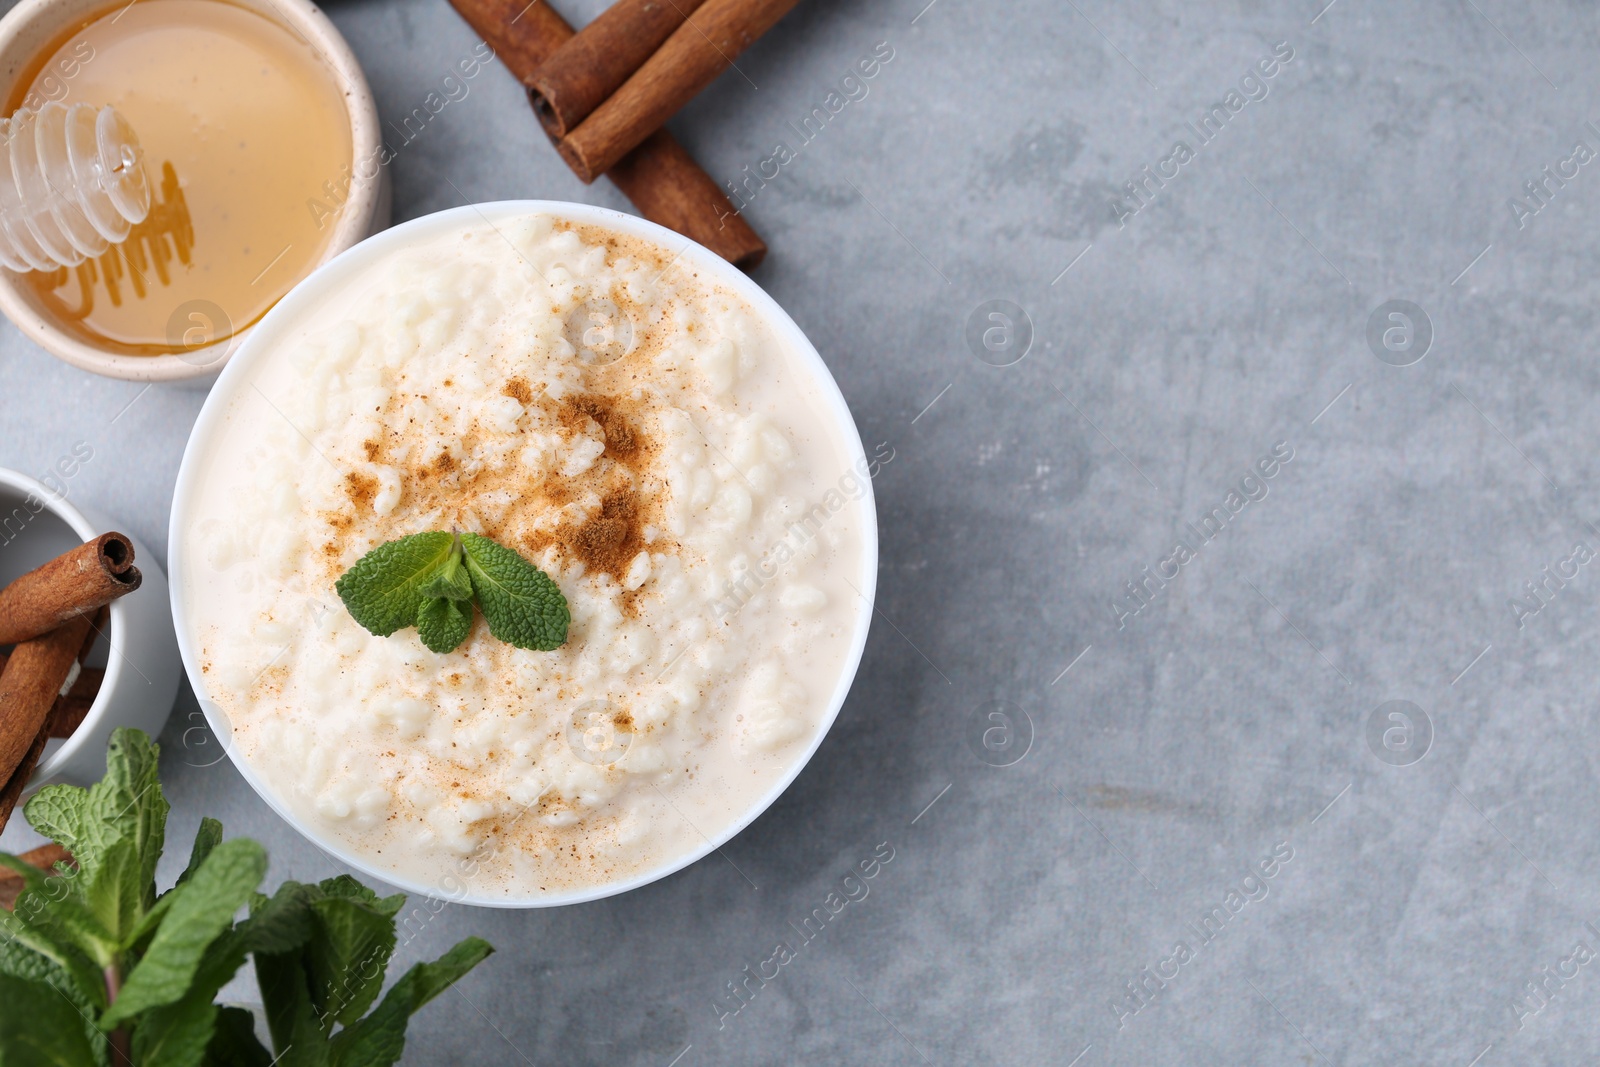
[
  {"x": 556, "y": 490},
  {"x": 607, "y": 541},
  {"x": 622, "y": 442},
  {"x": 610, "y": 540},
  {"x": 360, "y": 488}
]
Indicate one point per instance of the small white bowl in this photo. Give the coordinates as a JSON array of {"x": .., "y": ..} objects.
[
  {"x": 369, "y": 255},
  {"x": 141, "y": 683},
  {"x": 36, "y": 25}
]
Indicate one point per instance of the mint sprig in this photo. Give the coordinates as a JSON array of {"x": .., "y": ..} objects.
[
  {"x": 431, "y": 580},
  {"x": 99, "y": 970}
]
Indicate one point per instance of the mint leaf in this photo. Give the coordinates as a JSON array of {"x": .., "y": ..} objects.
[
  {"x": 137, "y": 939},
  {"x": 380, "y": 1038},
  {"x": 54, "y": 916},
  {"x": 40, "y": 1026},
  {"x": 293, "y": 1024},
  {"x": 61, "y": 813},
  {"x": 205, "y": 909},
  {"x": 450, "y": 581},
  {"x": 19, "y": 936},
  {"x": 279, "y": 923},
  {"x": 134, "y": 801},
  {"x": 86, "y": 991},
  {"x": 124, "y": 806},
  {"x": 522, "y": 606},
  {"x": 205, "y": 839},
  {"x": 346, "y": 961},
  {"x": 112, "y": 890},
  {"x": 19, "y": 961},
  {"x": 344, "y": 887},
  {"x": 234, "y": 1042},
  {"x": 184, "y": 1033},
  {"x": 444, "y": 624},
  {"x": 178, "y": 1034},
  {"x": 383, "y": 591}
]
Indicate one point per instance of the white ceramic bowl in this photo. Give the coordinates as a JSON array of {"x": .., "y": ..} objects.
[
  {"x": 141, "y": 682},
  {"x": 35, "y": 25},
  {"x": 261, "y": 347}
]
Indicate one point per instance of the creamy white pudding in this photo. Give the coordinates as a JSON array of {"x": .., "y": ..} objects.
[{"x": 629, "y": 425}]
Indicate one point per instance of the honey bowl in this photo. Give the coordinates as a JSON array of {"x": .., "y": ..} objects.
[{"x": 262, "y": 151}]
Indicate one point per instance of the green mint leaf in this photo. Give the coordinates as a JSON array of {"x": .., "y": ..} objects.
[
  {"x": 450, "y": 581},
  {"x": 522, "y": 606},
  {"x": 177, "y": 1034},
  {"x": 137, "y": 939},
  {"x": 219, "y": 888},
  {"x": 380, "y": 1038},
  {"x": 19, "y": 961},
  {"x": 124, "y": 806},
  {"x": 208, "y": 837},
  {"x": 444, "y": 624},
  {"x": 297, "y": 1037},
  {"x": 21, "y": 937},
  {"x": 234, "y": 1042},
  {"x": 280, "y": 923},
  {"x": 345, "y": 887},
  {"x": 184, "y": 1033},
  {"x": 383, "y": 591},
  {"x": 113, "y": 891},
  {"x": 129, "y": 798},
  {"x": 55, "y": 915},
  {"x": 59, "y": 812},
  {"x": 346, "y": 959},
  {"x": 38, "y": 1026},
  {"x": 85, "y": 989}
]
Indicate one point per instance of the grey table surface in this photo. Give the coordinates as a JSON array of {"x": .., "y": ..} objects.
[{"x": 1236, "y": 302}]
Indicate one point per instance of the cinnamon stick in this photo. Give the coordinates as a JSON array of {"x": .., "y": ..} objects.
[
  {"x": 73, "y": 584},
  {"x": 66, "y": 715},
  {"x": 29, "y": 685},
  {"x": 523, "y": 35},
  {"x": 582, "y": 73},
  {"x": 45, "y": 857},
  {"x": 11, "y": 792},
  {"x": 703, "y": 47},
  {"x": 70, "y": 711},
  {"x": 659, "y": 176},
  {"x": 97, "y": 626}
]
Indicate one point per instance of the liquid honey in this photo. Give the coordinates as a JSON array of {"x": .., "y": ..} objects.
[{"x": 245, "y": 136}]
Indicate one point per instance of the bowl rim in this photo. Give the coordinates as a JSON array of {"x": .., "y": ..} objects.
[
  {"x": 116, "y": 666},
  {"x": 345, "y": 268},
  {"x": 306, "y": 20}
]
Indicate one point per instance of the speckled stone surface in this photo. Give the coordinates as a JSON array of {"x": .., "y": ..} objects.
[{"x": 1211, "y": 758}]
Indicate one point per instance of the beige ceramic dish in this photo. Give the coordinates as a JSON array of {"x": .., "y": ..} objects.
[{"x": 33, "y": 25}]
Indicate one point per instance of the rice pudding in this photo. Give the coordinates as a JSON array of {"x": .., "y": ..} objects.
[{"x": 628, "y": 424}]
